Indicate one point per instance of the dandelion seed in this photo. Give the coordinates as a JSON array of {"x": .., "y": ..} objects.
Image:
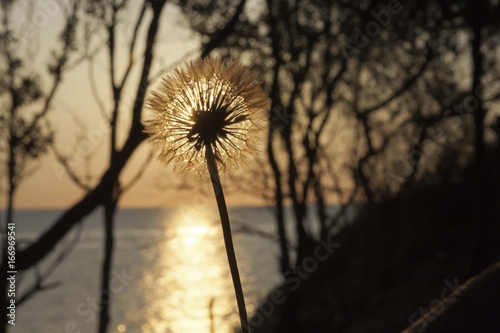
[
  {"x": 208, "y": 115},
  {"x": 207, "y": 103}
]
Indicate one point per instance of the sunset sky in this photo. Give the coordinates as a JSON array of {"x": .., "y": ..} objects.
[{"x": 75, "y": 116}]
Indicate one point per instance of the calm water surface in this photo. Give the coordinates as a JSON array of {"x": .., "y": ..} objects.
[{"x": 170, "y": 272}]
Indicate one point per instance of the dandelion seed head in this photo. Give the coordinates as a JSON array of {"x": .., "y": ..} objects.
[{"x": 207, "y": 104}]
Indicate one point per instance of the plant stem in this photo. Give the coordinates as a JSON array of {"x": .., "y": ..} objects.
[{"x": 228, "y": 240}]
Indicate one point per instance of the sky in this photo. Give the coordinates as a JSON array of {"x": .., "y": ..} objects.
[{"x": 79, "y": 125}]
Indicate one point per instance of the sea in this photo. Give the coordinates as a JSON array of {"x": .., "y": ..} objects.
[{"x": 170, "y": 272}]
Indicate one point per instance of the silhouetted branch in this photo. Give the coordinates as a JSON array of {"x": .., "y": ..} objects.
[
  {"x": 39, "y": 285},
  {"x": 404, "y": 87},
  {"x": 139, "y": 174},
  {"x": 58, "y": 68},
  {"x": 72, "y": 175},
  {"x": 93, "y": 89},
  {"x": 219, "y": 36},
  {"x": 132, "y": 45}
]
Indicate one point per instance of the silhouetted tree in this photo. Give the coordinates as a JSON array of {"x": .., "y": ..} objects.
[
  {"x": 24, "y": 133},
  {"x": 365, "y": 97},
  {"x": 325, "y": 87},
  {"x": 372, "y": 100}
]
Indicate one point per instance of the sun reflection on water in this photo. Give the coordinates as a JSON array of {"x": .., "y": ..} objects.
[{"x": 190, "y": 280}]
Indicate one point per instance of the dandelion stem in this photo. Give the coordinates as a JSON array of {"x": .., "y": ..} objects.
[{"x": 228, "y": 240}]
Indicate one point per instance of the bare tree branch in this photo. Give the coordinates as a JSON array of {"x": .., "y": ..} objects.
[
  {"x": 404, "y": 87},
  {"x": 220, "y": 35},
  {"x": 139, "y": 174}
]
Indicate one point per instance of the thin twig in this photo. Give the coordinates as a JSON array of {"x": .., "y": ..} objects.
[{"x": 139, "y": 174}]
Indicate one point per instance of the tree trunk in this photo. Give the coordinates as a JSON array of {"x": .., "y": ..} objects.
[
  {"x": 486, "y": 250},
  {"x": 8, "y": 219},
  {"x": 278, "y": 196},
  {"x": 109, "y": 215},
  {"x": 274, "y": 125},
  {"x": 4, "y": 267}
]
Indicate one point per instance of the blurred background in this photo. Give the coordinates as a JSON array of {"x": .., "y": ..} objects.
[{"x": 372, "y": 207}]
